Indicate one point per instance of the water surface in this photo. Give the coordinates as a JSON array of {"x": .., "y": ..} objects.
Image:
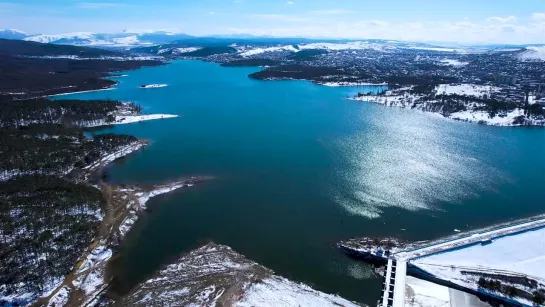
[{"x": 298, "y": 168}]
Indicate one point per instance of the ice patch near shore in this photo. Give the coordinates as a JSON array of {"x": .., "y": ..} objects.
[{"x": 154, "y": 85}]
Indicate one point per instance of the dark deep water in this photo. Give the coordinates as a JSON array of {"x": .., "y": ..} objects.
[{"x": 298, "y": 168}]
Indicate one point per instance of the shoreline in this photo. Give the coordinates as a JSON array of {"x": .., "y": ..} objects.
[
  {"x": 124, "y": 204},
  {"x": 469, "y": 116},
  {"x": 131, "y": 119},
  {"x": 81, "y": 92}
]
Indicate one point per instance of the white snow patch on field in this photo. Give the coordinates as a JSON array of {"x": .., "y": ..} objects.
[
  {"x": 279, "y": 292},
  {"x": 533, "y": 53},
  {"x": 98, "y": 255},
  {"x": 466, "y": 89},
  {"x": 481, "y": 116},
  {"x": 519, "y": 254},
  {"x": 187, "y": 49},
  {"x": 60, "y": 298},
  {"x": 269, "y": 49},
  {"x": 451, "y": 62},
  {"x": 439, "y": 49},
  {"x": 422, "y": 293}
]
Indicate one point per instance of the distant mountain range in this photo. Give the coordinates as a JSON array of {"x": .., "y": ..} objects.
[
  {"x": 124, "y": 39},
  {"x": 166, "y": 42}
]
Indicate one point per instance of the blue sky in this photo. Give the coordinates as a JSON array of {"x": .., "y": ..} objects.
[{"x": 466, "y": 21}]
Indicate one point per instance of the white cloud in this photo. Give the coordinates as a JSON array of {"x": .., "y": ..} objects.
[
  {"x": 98, "y": 5},
  {"x": 211, "y": 13},
  {"x": 290, "y": 2},
  {"x": 538, "y": 17},
  {"x": 501, "y": 19}
]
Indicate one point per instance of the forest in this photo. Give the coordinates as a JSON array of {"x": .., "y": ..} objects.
[
  {"x": 22, "y": 77},
  {"x": 46, "y": 224},
  {"x": 69, "y": 113},
  {"x": 299, "y": 72},
  {"x": 52, "y": 149},
  {"x": 46, "y": 219}
]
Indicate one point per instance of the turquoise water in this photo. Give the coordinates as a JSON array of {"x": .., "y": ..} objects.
[{"x": 298, "y": 167}]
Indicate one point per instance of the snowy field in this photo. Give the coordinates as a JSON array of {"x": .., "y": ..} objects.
[
  {"x": 421, "y": 293},
  {"x": 466, "y": 89},
  {"x": 519, "y": 254}
]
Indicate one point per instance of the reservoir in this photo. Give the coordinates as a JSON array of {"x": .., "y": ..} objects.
[{"x": 297, "y": 167}]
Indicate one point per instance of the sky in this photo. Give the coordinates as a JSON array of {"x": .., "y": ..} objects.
[{"x": 462, "y": 21}]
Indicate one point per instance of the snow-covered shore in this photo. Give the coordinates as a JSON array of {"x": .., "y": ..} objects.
[
  {"x": 403, "y": 98},
  {"x": 215, "y": 275},
  {"x": 81, "y": 92},
  {"x": 342, "y": 83},
  {"x": 90, "y": 275},
  {"x": 129, "y": 119}
]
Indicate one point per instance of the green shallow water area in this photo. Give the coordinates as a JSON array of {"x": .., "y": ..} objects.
[{"x": 299, "y": 167}]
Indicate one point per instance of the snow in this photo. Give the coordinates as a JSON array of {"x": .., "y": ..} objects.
[
  {"x": 517, "y": 254},
  {"x": 338, "y": 84},
  {"x": 404, "y": 99},
  {"x": 278, "y": 292},
  {"x": 154, "y": 86},
  {"x": 439, "y": 49},
  {"x": 466, "y": 239},
  {"x": 533, "y": 53},
  {"x": 117, "y": 154},
  {"x": 72, "y": 93},
  {"x": 422, "y": 293},
  {"x": 481, "y": 116},
  {"x": 98, "y": 255},
  {"x": 129, "y": 40},
  {"x": 187, "y": 49},
  {"x": 466, "y": 89},
  {"x": 120, "y": 120},
  {"x": 60, "y": 298},
  {"x": 44, "y": 38},
  {"x": 450, "y": 62},
  {"x": 162, "y": 190},
  {"x": 269, "y": 49},
  {"x": 345, "y": 46}
]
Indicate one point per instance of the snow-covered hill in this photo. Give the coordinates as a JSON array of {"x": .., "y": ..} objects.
[
  {"x": 12, "y": 34},
  {"x": 533, "y": 53},
  {"x": 107, "y": 39}
]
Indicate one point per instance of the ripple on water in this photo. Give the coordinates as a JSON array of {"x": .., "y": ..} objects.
[{"x": 414, "y": 162}]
